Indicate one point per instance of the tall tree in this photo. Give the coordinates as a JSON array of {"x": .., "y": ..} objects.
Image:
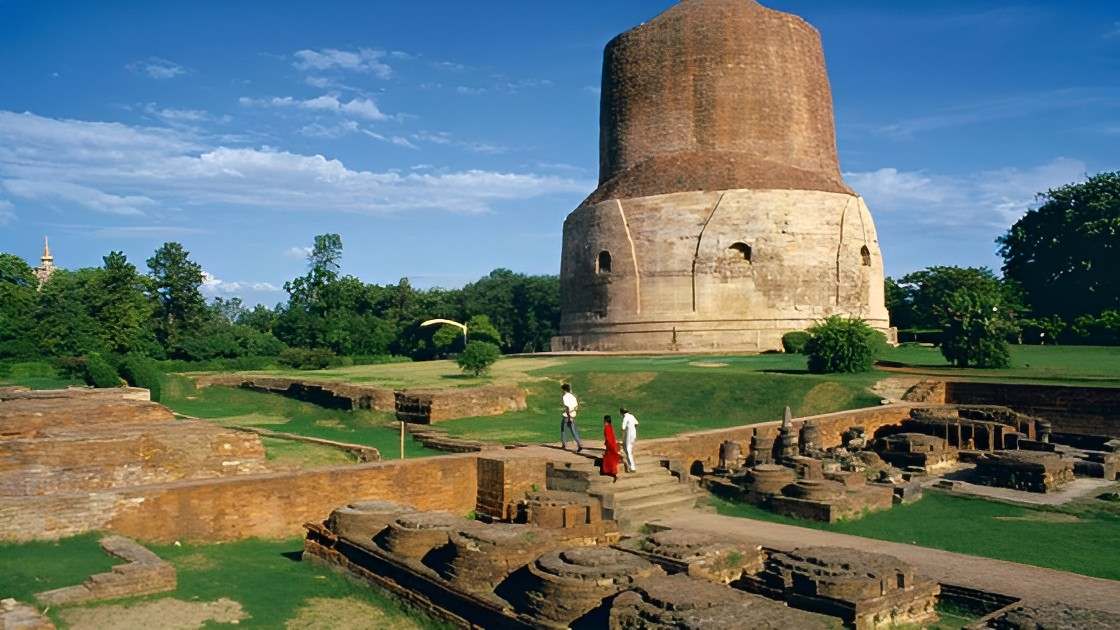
[
  {"x": 928, "y": 290},
  {"x": 120, "y": 306},
  {"x": 1066, "y": 252},
  {"x": 176, "y": 282},
  {"x": 17, "y": 307}
]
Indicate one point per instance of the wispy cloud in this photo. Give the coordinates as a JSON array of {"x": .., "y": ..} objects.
[
  {"x": 447, "y": 139},
  {"x": 298, "y": 252},
  {"x": 123, "y": 169},
  {"x": 986, "y": 200},
  {"x": 214, "y": 285},
  {"x": 77, "y": 194},
  {"x": 145, "y": 231},
  {"x": 156, "y": 68},
  {"x": 1114, "y": 31},
  {"x": 366, "y": 60},
  {"x": 188, "y": 117},
  {"x": 999, "y": 109},
  {"x": 357, "y": 107}
]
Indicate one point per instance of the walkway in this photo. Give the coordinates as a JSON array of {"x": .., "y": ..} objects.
[{"x": 1018, "y": 580}]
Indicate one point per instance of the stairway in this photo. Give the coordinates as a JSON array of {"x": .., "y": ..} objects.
[{"x": 650, "y": 493}]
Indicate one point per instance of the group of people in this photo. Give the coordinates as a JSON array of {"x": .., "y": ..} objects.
[{"x": 614, "y": 453}]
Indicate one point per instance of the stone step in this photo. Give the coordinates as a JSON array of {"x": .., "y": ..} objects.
[
  {"x": 636, "y": 495},
  {"x": 650, "y": 509}
]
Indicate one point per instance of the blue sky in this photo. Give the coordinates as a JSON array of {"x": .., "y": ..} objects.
[{"x": 445, "y": 139}]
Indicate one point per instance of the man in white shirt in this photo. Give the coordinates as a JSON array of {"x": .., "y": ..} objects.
[
  {"x": 629, "y": 436},
  {"x": 568, "y": 418}
]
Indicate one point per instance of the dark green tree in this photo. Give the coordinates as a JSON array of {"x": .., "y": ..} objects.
[
  {"x": 1066, "y": 252},
  {"x": 119, "y": 304},
  {"x": 176, "y": 283},
  {"x": 928, "y": 290},
  {"x": 17, "y": 307},
  {"x": 66, "y": 326},
  {"x": 975, "y": 326}
]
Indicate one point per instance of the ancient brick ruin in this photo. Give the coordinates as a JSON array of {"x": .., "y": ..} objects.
[
  {"x": 721, "y": 220},
  {"x": 143, "y": 573}
]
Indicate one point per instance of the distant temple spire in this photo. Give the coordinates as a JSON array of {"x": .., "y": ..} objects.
[{"x": 46, "y": 264}]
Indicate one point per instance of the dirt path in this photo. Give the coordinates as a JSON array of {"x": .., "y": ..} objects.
[{"x": 1035, "y": 584}]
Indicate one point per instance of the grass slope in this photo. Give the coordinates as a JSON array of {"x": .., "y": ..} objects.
[
  {"x": 265, "y": 577},
  {"x": 1080, "y": 538},
  {"x": 671, "y": 395}
]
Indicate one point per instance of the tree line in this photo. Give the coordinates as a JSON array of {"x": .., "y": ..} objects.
[
  {"x": 1060, "y": 282},
  {"x": 116, "y": 310}
]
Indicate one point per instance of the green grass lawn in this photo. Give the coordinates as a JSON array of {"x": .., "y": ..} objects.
[
  {"x": 242, "y": 407},
  {"x": 1080, "y": 537},
  {"x": 265, "y": 577},
  {"x": 671, "y": 395},
  {"x": 1097, "y": 366}
]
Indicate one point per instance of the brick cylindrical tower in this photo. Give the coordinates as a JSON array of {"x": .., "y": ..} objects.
[{"x": 721, "y": 220}]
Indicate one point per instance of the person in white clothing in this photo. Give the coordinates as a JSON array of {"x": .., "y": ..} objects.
[
  {"x": 629, "y": 436},
  {"x": 568, "y": 418}
]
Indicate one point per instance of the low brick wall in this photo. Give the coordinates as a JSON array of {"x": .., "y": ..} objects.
[
  {"x": 327, "y": 393},
  {"x": 411, "y": 405},
  {"x": 143, "y": 573},
  {"x": 267, "y": 506},
  {"x": 703, "y": 446},
  {"x": 1084, "y": 410}
]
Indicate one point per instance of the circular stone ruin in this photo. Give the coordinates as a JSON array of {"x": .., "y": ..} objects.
[
  {"x": 570, "y": 583},
  {"x": 362, "y": 520},
  {"x": 678, "y": 601},
  {"x": 484, "y": 556},
  {"x": 705, "y": 556},
  {"x": 414, "y": 535},
  {"x": 822, "y": 490},
  {"x": 768, "y": 479}
]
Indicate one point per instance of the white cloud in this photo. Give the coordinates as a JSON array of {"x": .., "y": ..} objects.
[
  {"x": 361, "y": 60},
  {"x": 214, "y": 285},
  {"x": 470, "y": 91},
  {"x": 358, "y": 107},
  {"x": 1114, "y": 31},
  {"x": 142, "y": 231},
  {"x": 298, "y": 252},
  {"x": 7, "y": 214},
  {"x": 986, "y": 199},
  {"x": 117, "y": 168},
  {"x": 91, "y": 198},
  {"x": 156, "y": 68}
]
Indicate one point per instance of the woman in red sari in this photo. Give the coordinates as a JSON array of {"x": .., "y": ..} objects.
[{"x": 611, "y": 458}]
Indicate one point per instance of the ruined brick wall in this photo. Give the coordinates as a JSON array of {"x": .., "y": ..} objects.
[
  {"x": 716, "y": 95},
  {"x": 335, "y": 394},
  {"x": 1085, "y": 410},
  {"x": 703, "y": 446},
  {"x": 502, "y": 482},
  {"x": 268, "y": 506}
]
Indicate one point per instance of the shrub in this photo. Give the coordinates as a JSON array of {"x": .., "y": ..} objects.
[
  {"x": 838, "y": 344},
  {"x": 1102, "y": 329},
  {"x": 100, "y": 373},
  {"x": 140, "y": 371},
  {"x": 477, "y": 357},
  {"x": 307, "y": 358},
  {"x": 794, "y": 342},
  {"x": 976, "y": 331}
]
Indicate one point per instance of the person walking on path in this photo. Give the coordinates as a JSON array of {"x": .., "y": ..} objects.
[
  {"x": 568, "y": 418},
  {"x": 609, "y": 465},
  {"x": 629, "y": 437}
]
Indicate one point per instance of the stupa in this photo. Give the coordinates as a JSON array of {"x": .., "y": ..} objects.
[{"x": 721, "y": 220}]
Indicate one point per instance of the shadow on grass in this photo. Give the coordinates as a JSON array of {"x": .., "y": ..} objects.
[{"x": 294, "y": 556}]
